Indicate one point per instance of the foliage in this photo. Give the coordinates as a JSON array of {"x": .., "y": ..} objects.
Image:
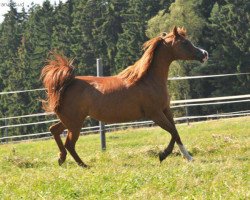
[
  {"x": 130, "y": 169},
  {"x": 228, "y": 27},
  {"x": 181, "y": 13}
]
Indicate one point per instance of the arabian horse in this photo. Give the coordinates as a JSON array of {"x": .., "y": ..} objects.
[{"x": 138, "y": 92}]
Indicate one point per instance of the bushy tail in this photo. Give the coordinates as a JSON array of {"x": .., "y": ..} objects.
[{"x": 56, "y": 76}]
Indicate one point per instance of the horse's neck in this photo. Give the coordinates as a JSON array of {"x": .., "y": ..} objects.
[{"x": 160, "y": 65}]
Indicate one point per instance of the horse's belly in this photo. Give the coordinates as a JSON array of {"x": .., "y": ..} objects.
[{"x": 114, "y": 113}]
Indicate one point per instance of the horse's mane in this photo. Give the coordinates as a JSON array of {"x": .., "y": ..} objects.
[{"x": 136, "y": 71}]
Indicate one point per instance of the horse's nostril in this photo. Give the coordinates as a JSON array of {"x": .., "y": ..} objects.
[{"x": 206, "y": 54}]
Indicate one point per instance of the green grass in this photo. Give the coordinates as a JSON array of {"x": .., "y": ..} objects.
[{"x": 130, "y": 169}]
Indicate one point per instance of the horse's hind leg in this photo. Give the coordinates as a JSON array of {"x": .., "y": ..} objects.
[
  {"x": 56, "y": 130},
  {"x": 70, "y": 142},
  {"x": 72, "y": 118}
]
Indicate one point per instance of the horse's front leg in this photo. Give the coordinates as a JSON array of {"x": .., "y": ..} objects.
[
  {"x": 169, "y": 149},
  {"x": 162, "y": 120}
]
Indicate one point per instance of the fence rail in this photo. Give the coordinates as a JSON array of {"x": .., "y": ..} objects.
[
  {"x": 182, "y": 102},
  {"x": 119, "y": 126},
  {"x": 174, "y": 104},
  {"x": 170, "y": 78}
]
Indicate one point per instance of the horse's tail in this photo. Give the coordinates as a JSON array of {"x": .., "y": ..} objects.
[{"x": 56, "y": 76}]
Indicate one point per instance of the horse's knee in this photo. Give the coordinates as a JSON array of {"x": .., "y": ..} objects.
[{"x": 52, "y": 129}]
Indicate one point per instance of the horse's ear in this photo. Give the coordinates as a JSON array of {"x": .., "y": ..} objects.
[{"x": 175, "y": 31}]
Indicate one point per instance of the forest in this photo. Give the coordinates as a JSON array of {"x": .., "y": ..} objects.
[{"x": 115, "y": 31}]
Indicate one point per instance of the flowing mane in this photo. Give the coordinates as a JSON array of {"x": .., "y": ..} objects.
[{"x": 136, "y": 71}]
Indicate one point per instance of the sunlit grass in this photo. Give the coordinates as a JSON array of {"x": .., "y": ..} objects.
[{"x": 130, "y": 169}]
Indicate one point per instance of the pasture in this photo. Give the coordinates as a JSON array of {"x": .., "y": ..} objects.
[{"x": 130, "y": 169}]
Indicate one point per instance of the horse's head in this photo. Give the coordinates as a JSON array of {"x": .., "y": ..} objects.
[{"x": 182, "y": 48}]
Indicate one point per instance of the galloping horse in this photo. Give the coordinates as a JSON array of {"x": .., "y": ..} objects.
[{"x": 138, "y": 92}]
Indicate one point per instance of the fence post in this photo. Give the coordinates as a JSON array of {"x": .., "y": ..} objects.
[
  {"x": 6, "y": 130},
  {"x": 186, "y": 110},
  {"x": 99, "y": 68}
]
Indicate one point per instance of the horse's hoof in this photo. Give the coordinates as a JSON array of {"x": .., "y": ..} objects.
[
  {"x": 162, "y": 156},
  {"x": 62, "y": 158},
  {"x": 60, "y": 161},
  {"x": 83, "y": 165},
  {"x": 190, "y": 159}
]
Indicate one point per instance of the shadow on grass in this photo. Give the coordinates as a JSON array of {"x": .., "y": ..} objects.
[
  {"x": 217, "y": 160},
  {"x": 154, "y": 152},
  {"x": 21, "y": 162}
]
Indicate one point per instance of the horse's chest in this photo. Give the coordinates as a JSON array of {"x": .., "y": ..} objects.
[{"x": 158, "y": 97}]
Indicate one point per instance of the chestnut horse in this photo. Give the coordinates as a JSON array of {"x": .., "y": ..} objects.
[{"x": 138, "y": 92}]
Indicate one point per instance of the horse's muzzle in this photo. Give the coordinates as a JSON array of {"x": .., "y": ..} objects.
[{"x": 202, "y": 55}]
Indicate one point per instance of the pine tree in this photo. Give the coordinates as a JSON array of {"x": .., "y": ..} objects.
[
  {"x": 13, "y": 74},
  {"x": 10, "y": 39},
  {"x": 83, "y": 55},
  {"x": 96, "y": 25},
  {"x": 106, "y": 30},
  {"x": 36, "y": 41},
  {"x": 32, "y": 54},
  {"x": 230, "y": 25},
  {"x": 61, "y": 36},
  {"x": 133, "y": 31}
]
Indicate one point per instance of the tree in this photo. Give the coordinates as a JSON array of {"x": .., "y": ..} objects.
[
  {"x": 107, "y": 27},
  {"x": 225, "y": 36},
  {"x": 230, "y": 25},
  {"x": 62, "y": 33},
  {"x": 31, "y": 55},
  {"x": 13, "y": 73},
  {"x": 181, "y": 13},
  {"x": 133, "y": 31},
  {"x": 97, "y": 29},
  {"x": 10, "y": 39},
  {"x": 38, "y": 34},
  {"x": 82, "y": 37}
]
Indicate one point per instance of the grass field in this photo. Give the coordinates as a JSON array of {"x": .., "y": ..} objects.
[{"x": 130, "y": 169}]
